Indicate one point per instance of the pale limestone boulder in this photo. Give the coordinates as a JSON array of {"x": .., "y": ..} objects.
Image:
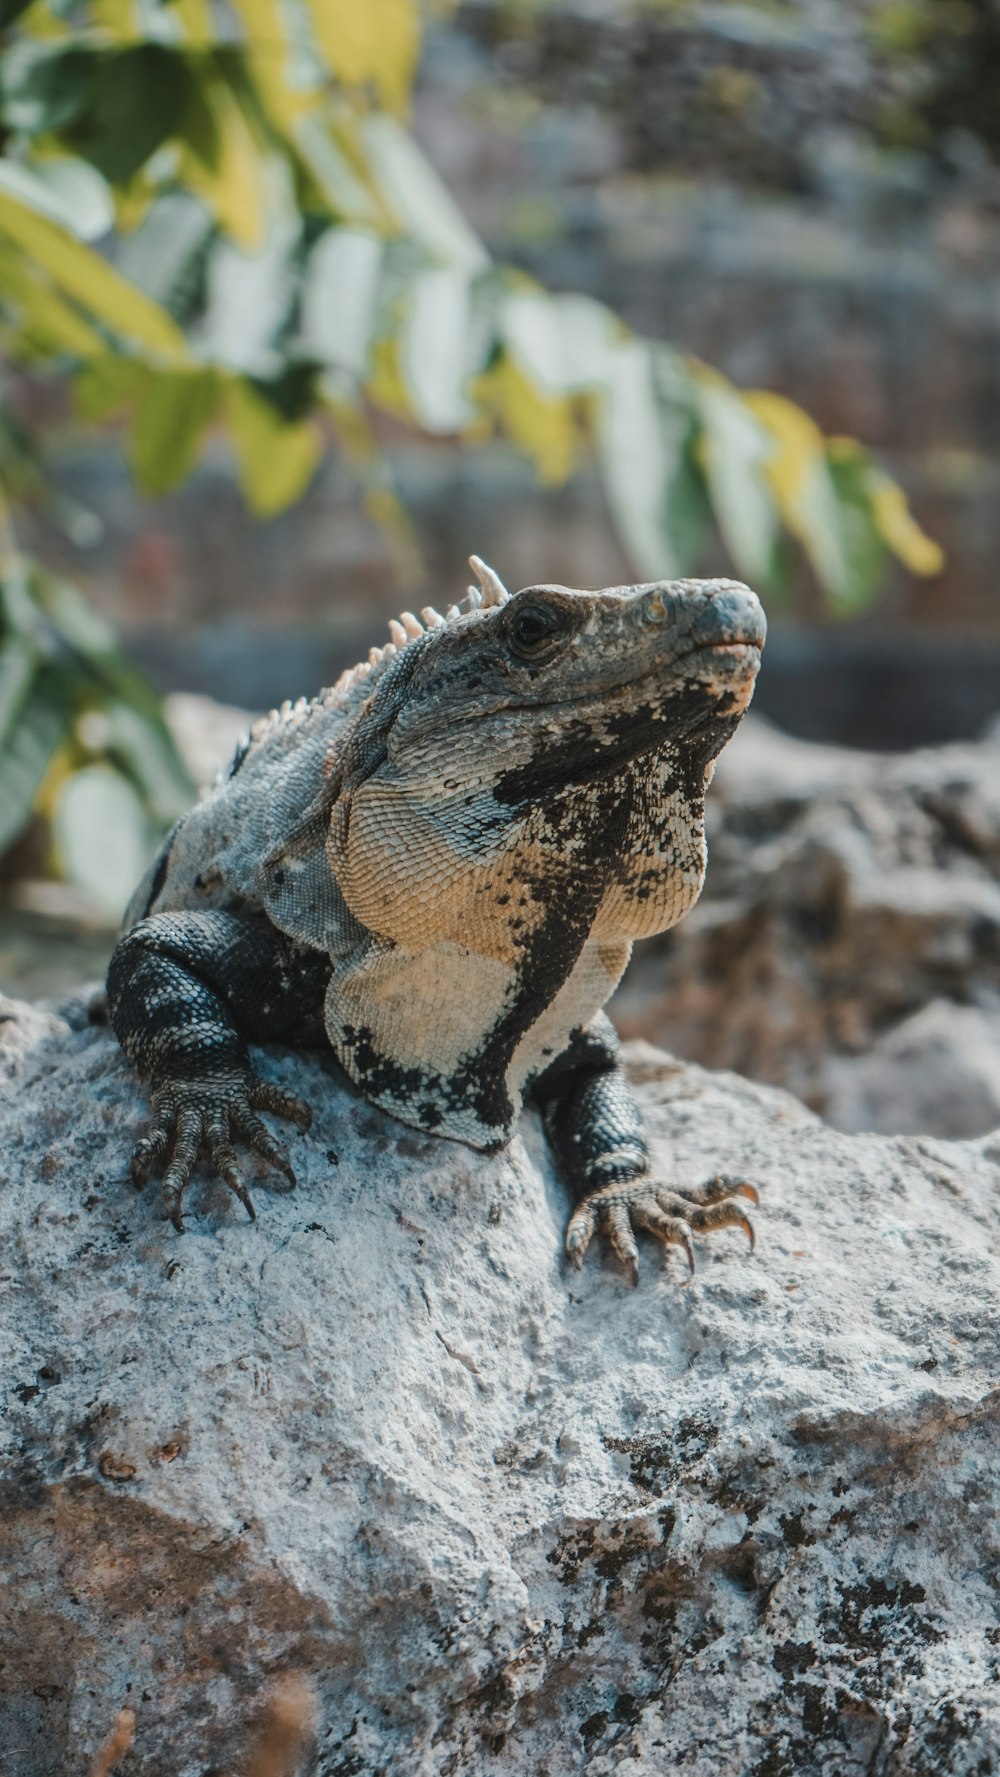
[{"x": 486, "y": 1515}]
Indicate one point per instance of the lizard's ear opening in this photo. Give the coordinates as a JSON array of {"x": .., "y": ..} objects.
[{"x": 492, "y": 590}]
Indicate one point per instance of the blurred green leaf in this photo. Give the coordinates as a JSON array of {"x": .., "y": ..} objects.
[
  {"x": 169, "y": 423},
  {"x": 276, "y": 460},
  {"x": 11, "y": 10},
  {"x": 566, "y": 344},
  {"x": 736, "y": 449},
  {"x": 435, "y": 359},
  {"x": 688, "y": 513},
  {"x": 82, "y": 196},
  {"x": 102, "y": 835},
  {"x": 105, "y": 386},
  {"x": 18, "y": 661},
  {"x": 422, "y": 204},
  {"x": 18, "y": 606},
  {"x": 68, "y": 617},
  {"x": 797, "y": 472},
  {"x": 135, "y": 98},
  {"x": 141, "y": 745},
  {"x": 640, "y": 450},
  {"x": 865, "y": 553},
  {"x": 86, "y": 277},
  {"x": 44, "y": 86},
  {"x": 28, "y": 186},
  {"x": 248, "y": 298},
  {"x": 339, "y": 297},
  {"x": 25, "y": 755},
  {"x": 64, "y": 686}
]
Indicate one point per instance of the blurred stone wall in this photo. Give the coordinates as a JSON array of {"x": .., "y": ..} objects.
[{"x": 806, "y": 195}]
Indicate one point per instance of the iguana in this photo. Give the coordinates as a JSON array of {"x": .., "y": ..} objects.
[{"x": 438, "y": 867}]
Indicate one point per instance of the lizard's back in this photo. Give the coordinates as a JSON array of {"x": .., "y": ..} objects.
[{"x": 222, "y": 855}]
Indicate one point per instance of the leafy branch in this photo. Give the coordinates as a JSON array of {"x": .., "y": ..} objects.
[
  {"x": 210, "y": 225},
  {"x": 293, "y": 253}
]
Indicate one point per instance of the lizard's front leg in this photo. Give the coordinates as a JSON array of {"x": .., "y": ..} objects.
[
  {"x": 185, "y": 991},
  {"x": 593, "y": 1124}
]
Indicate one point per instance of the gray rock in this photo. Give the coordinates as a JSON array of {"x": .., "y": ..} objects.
[
  {"x": 478, "y": 1513},
  {"x": 847, "y": 944}
]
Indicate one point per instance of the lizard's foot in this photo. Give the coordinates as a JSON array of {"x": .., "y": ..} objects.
[
  {"x": 618, "y": 1210},
  {"x": 189, "y": 1115}
]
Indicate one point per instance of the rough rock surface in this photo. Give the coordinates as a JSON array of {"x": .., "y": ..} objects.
[
  {"x": 500, "y": 1517},
  {"x": 847, "y": 943}
]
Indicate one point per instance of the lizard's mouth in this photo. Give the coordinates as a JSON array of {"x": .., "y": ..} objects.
[{"x": 738, "y": 645}]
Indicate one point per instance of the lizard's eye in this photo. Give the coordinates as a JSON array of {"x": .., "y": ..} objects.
[{"x": 534, "y": 629}]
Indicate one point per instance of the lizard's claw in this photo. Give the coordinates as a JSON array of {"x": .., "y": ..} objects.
[
  {"x": 618, "y": 1210},
  {"x": 191, "y": 1115}
]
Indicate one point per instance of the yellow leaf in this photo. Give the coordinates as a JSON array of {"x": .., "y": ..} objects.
[
  {"x": 899, "y": 529},
  {"x": 119, "y": 18},
  {"x": 47, "y": 321},
  {"x": 375, "y": 43},
  {"x": 40, "y": 21},
  {"x": 172, "y": 414},
  {"x": 799, "y": 446},
  {"x": 132, "y": 201},
  {"x": 268, "y": 53},
  {"x": 797, "y": 474},
  {"x": 90, "y": 280},
  {"x": 233, "y": 187},
  {"x": 547, "y": 428},
  {"x": 195, "y": 21},
  {"x": 277, "y": 458},
  {"x": 106, "y": 386},
  {"x": 386, "y": 386}
]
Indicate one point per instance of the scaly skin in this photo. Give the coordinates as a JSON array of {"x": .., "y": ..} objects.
[{"x": 438, "y": 868}]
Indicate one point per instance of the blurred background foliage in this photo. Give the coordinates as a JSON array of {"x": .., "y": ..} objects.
[{"x": 215, "y": 221}]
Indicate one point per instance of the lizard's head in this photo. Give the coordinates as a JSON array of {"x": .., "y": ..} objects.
[
  {"x": 548, "y": 688},
  {"x": 578, "y": 726}
]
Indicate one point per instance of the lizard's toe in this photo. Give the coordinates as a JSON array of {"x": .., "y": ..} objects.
[
  {"x": 186, "y": 1144},
  {"x": 620, "y": 1209},
  {"x": 148, "y": 1149},
  {"x": 673, "y": 1230},
  {"x": 580, "y": 1233},
  {"x": 726, "y": 1214},
  {"x": 719, "y": 1188},
  {"x": 223, "y": 1157},
  {"x": 266, "y": 1095},
  {"x": 619, "y": 1231},
  {"x": 258, "y": 1137}
]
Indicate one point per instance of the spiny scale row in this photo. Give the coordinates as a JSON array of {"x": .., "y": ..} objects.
[{"x": 407, "y": 627}]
